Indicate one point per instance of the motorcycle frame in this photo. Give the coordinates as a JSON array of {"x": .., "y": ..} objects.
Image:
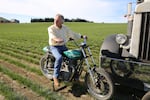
[{"x": 84, "y": 47}]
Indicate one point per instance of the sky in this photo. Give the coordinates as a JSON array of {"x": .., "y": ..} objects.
[{"x": 111, "y": 11}]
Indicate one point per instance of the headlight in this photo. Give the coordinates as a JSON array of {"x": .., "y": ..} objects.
[{"x": 121, "y": 38}]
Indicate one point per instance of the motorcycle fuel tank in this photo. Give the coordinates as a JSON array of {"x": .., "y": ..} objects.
[{"x": 73, "y": 54}]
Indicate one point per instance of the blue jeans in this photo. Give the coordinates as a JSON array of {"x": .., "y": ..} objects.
[{"x": 57, "y": 53}]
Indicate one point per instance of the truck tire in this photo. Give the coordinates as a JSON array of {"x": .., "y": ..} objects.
[{"x": 121, "y": 69}]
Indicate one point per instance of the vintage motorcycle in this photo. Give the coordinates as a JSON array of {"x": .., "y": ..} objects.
[{"x": 98, "y": 82}]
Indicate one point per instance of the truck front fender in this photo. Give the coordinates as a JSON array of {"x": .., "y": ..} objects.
[{"x": 110, "y": 48}]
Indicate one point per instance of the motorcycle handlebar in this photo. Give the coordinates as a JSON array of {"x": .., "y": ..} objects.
[{"x": 82, "y": 44}]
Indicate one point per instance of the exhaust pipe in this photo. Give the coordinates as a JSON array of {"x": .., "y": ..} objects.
[{"x": 130, "y": 19}]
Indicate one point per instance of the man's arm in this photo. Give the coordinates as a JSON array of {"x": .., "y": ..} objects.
[{"x": 57, "y": 40}]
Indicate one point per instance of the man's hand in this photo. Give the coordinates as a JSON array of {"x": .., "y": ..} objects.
[
  {"x": 84, "y": 36},
  {"x": 70, "y": 39},
  {"x": 58, "y": 40}
]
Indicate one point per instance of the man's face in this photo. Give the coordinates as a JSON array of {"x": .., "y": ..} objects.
[{"x": 59, "y": 20}]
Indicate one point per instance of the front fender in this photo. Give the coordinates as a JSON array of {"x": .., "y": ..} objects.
[{"x": 110, "y": 48}]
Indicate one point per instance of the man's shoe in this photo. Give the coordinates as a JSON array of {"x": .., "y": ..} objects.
[{"x": 56, "y": 82}]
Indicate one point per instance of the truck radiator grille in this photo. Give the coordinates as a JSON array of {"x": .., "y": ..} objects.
[{"x": 144, "y": 45}]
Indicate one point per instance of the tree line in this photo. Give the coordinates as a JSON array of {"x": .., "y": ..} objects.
[{"x": 52, "y": 20}]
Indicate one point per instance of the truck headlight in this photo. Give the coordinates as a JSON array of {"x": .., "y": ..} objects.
[{"x": 121, "y": 38}]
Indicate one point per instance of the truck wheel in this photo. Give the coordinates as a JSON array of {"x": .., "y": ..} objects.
[
  {"x": 120, "y": 68},
  {"x": 146, "y": 96},
  {"x": 103, "y": 88}
]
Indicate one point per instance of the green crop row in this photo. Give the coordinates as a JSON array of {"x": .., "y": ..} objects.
[
  {"x": 9, "y": 93},
  {"x": 20, "y": 52},
  {"x": 19, "y": 64},
  {"x": 30, "y": 84},
  {"x": 19, "y": 56}
]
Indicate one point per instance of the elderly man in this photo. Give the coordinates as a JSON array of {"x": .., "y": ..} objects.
[{"x": 59, "y": 34}]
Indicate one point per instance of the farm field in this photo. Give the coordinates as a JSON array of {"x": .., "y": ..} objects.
[{"x": 20, "y": 52}]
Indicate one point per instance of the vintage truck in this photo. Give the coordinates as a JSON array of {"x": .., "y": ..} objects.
[{"x": 126, "y": 57}]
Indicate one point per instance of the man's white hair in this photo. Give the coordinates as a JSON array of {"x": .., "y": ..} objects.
[{"x": 59, "y": 15}]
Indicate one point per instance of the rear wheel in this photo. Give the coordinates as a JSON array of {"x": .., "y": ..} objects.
[
  {"x": 46, "y": 65},
  {"x": 103, "y": 88}
]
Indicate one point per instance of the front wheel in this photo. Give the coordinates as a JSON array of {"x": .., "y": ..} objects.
[{"x": 103, "y": 87}]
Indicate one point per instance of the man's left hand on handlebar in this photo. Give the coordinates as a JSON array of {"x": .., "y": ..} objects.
[{"x": 84, "y": 36}]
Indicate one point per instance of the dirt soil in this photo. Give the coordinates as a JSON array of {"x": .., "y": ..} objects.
[
  {"x": 20, "y": 89},
  {"x": 2, "y": 97},
  {"x": 70, "y": 91}
]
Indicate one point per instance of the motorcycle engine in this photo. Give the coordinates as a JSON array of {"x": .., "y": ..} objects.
[{"x": 68, "y": 70}]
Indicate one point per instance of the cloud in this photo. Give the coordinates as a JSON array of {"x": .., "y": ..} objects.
[{"x": 89, "y": 9}]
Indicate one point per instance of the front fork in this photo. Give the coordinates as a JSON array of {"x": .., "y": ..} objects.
[{"x": 90, "y": 70}]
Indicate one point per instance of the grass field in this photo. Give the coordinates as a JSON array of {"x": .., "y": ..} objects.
[
  {"x": 34, "y": 36},
  {"x": 21, "y": 49}
]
